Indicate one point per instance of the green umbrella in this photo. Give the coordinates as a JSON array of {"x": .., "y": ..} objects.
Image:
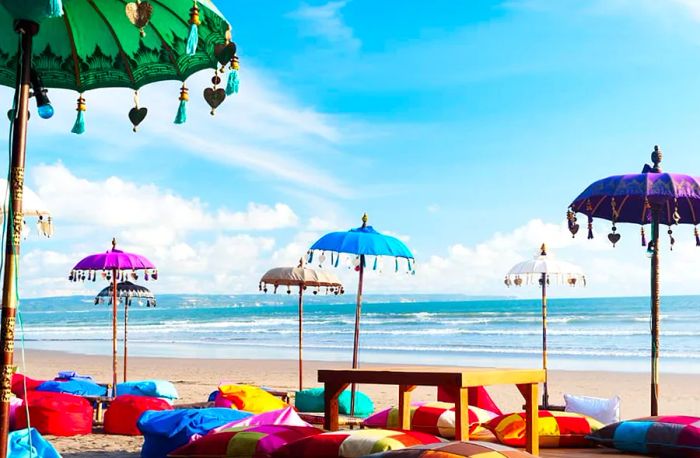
[{"x": 89, "y": 44}]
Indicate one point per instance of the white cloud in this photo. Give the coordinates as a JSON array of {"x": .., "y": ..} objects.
[{"x": 326, "y": 22}]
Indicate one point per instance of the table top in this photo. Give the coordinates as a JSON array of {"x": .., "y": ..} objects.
[{"x": 432, "y": 376}]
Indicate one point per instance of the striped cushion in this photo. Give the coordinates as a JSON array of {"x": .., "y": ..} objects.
[
  {"x": 677, "y": 436},
  {"x": 436, "y": 418},
  {"x": 244, "y": 442},
  {"x": 357, "y": 443},
  {"x": 473, "y": 449},
  {"x": 556, "y": 429}
]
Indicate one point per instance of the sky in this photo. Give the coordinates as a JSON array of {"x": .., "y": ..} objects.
[{"x": 463, "y": 128}]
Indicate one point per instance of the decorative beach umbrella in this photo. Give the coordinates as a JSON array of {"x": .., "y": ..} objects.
[
  {"x": 126, "y": 291},
  {"x": 32, "y": 206},
  {"x": 652, "y": 198},
  {"x": 362, "y": 242},
  {"x": 115, "y": 266},
  {"x": 90, "y": 44},
  {"x": 544, "y": 270},
  {"x": 303, "y": 278}
]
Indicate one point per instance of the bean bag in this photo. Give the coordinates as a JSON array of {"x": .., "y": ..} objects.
[
  {"x": 473, "y": 449},
  {"x": 153, "y": 388},
  {"x": 259, "y": 441},
  {"x": 352, "y": 444},
  {"x": 18, "y": 381},
  {"x": 28, "y": 443},
  {"x": 251, "y": 398},
  {"x": 436, "y": 418},
  {"x": 164, "y": 431},
  {"x": 77, "y": 387},
  {"x": 311, "y": 400},
  {"x": 556, "y": 429},
  {"x": 57, "y": 414},
  {"x": 221, "y": 401},
  {"x": 15, "y": 403},
  {"x": 68, "y": 375},
  {"x": 478, "y": 397},
  {"x": 666, "y": 436},
  {"x": 124, "y": 412}
]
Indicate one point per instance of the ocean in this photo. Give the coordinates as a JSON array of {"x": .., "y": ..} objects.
[{"x": 583, "y": 334}]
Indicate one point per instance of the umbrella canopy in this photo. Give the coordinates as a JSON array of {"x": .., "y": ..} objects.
[
  {"x": 32, "y": 205},
  {"x": 126, "y": 290},
  {"x": 544, "y": 270},
  {"x": 303, "y": 278},
  {"x": 651, "y": 197},
  {"x": 115, "y": 266},
  {"x": 362, "y": 242}
]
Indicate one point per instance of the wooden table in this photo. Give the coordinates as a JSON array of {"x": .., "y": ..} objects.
[{"x": 457, "y": 380}]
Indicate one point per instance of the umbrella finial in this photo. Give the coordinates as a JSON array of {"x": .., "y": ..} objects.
[
  {"x": 656, "y": 157},
  {"x": 364, "y": 220},
  {"x": 543, "y": 250}
]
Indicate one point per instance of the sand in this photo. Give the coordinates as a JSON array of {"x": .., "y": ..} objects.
[{"x": 196, "y": 378}]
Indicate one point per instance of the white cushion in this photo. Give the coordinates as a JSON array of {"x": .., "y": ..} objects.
[{"x": 604, "y": 410}]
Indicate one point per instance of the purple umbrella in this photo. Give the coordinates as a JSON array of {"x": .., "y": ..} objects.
[
  {"x": 650, "y": 197},
  {"x": 115, "y": 266}
]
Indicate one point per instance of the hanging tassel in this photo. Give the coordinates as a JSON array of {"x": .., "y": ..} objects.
[
  {"x": 181, "y": 115},
  {"x": 590, "y": 228},
  {"x": 670, "y": 236},
  {"x": 332, "y": 259},
  {"x": 79, "y": 126},
  {"x": 54, "y": 8},
  {"x": 410, "y": 269},
  {"x": 697, "y": 237},
  {"x": 337, "y": 260},
  {"x": 397, "y": 264},
  {"x": 374, "y": 267},
  {"x": 310, "y": 258},
  {"x": 364, "y": 262},
  {"x": 193, "y": 37},
  {"x": 232, "y": 83},
  {"x": 644, "y": 238}
]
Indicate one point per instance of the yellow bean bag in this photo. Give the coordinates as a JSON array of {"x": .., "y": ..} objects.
[{"x": 251, "y": 398}]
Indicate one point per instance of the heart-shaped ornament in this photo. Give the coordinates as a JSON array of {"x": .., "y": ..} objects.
[
  {"x": 214, "y": 97},
  {"x": 136, "y": 115},
  {"x": 224, "y": 53},
  {"x": 614, "y": 237},
  {"x": 139, "y": 13},
  {"x": 574, "y": 229}
]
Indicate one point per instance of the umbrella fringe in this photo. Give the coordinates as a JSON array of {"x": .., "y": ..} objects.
[{"x": 192, "y": 40}]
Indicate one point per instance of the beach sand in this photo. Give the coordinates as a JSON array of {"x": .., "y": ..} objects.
[{"x": 196, "y": 378}]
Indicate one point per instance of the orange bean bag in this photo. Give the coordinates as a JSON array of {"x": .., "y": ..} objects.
[
  {"x": 58, "y": 414},
  {"x": 124, "y": 412}
]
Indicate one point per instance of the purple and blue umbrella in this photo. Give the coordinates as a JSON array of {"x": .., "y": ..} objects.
[
  {"x": 649, "y": 198},
  {"x": 364, "y": 243},
  {"x": 115, "y": 266}
]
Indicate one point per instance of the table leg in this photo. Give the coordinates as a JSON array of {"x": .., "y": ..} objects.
[
  {"x": 331, "y": 391},
  {"x": 405, "y": 406},
  {"x": 532, "y": 437},
  {"x": 462, "y": 414}
]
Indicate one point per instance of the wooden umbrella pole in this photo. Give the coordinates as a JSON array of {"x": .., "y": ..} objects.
[
  {"x": 114, "y": 332},
  {"x": 126, "y": 320},
  {"x": 301, "y": 327},
  {"x": 356, "y": 344},
  {"x": 26, "y": 31},
  {"x": 545, "y": 393},
  {"x": 655, "y": 305}
]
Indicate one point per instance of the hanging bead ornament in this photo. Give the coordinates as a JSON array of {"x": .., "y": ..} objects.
[
  {"x": 79, "y": 125},
  {"x": 671, "y": 238},
  {"x": 181, "y": 115},
  {"x": 571, "y": 222},
  {"x": 322, "y": 259},
  {"x": 614, "y": 237},
  {"x": 507, "y": 281},
  {"x": 644, "y": 237},
  {"x": 214, "y": 95},
  {"x": 589, "y": 211},
  {"x": 145, "y": 275},
  {"x": 154, "y": 275},
  {"x": 136, "y": 114},
  {"x": 193, "y": 36},
  {"x": 697, "y": 237},
  {"x": 139, "y": 13}
]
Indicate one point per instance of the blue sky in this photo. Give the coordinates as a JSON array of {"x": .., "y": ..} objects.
[{"x": 463, "y": 127}]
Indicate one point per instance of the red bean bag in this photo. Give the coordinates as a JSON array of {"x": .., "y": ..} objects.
[
  {"x": 18, "y": 384},
  {"x": 124, "y": 412},
  {"x": 478, "y": 397},
  {"x": 58, "y": 414}
]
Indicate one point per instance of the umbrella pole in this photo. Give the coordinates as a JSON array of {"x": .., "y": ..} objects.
[
  {"x": 356, "y": 344},
  {"x": 301, "y": 311},
  {"x": 126, "y": 319},
  {"x": 655, "y": 305},
  {"x": 26, "y": 31},
  {"x": 114, "y": 331},
  {"x": 545, "y": 394}
]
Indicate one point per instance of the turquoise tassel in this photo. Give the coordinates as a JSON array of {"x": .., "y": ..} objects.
[
  {"x": 55, "y": 8},
  {"x": 337, "y": 259},
  {"x": 364, "y": 262},
  {"x": 79, "y": 126},
  {"x": 310, "y": 258},
  {"x": 397, "y": 264},
  {"x": 181, "y": 116},
  {"x": 192, "y": 40},
  {"x": 375, "y": 263},
  {"x": 233, "y": 82}
]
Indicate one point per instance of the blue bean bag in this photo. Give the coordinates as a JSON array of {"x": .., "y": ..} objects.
[
  {"x": 164, "y": 431},
  {"x": 311, "y": 400},
  {"x": 152, "y": 388},
  {"x": 77, "y": 387},
  {"x": 20, "y": 446}
]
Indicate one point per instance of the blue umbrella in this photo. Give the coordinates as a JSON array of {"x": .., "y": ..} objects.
[{"x": 362, "y": 242}]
